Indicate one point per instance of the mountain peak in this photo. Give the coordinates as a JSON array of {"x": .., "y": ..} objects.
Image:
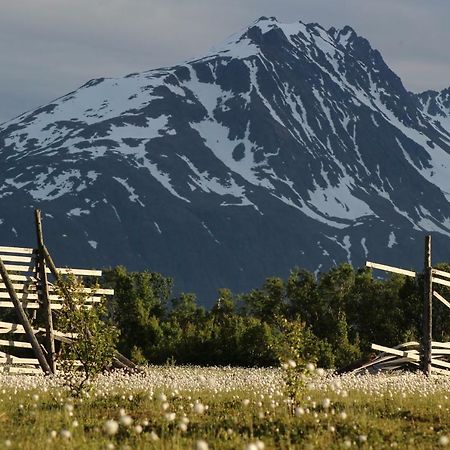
[
  {"x": 345, "y": 35},
  {"x": 266, "y": 19},
  {"x": 289, "y": 145}
]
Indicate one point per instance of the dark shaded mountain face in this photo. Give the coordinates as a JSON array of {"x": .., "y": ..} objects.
[{"x": 288, "y": 145}]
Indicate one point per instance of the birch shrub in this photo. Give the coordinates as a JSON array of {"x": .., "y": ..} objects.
[
  {"x": 296, "y": 353},
  {"x": 91, "y": 343}
]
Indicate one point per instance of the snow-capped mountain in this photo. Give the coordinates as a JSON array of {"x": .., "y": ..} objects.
[{"x": 287, "y": 145}]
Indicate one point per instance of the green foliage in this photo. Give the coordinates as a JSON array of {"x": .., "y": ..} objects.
[
  {"x": 91, "y": 345},
  {"x": 340, "y": 314},
  {"x": 139, "y": 303},
  {"x": 295, "y": 350}
]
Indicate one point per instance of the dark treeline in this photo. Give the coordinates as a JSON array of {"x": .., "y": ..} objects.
[{"x": 340, "y": 314}]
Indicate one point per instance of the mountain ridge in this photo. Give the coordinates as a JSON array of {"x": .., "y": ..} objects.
[{"x": 287, "y": 145}]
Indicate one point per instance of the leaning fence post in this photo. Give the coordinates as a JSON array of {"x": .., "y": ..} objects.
[
  {"x": 44, "y": 292},
  {"x": 24, "y": 319},
  {"x": 427, "y": 318}
]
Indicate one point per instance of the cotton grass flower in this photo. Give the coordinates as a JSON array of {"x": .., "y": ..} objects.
[
  {"x": 258, "y": 445},
  {"x": 162, "y": 397},
  {"x": 201, "y": 445},
  {"x": 68, "y": 407},
  {"x": 170, "y": 417},
  {"x": 126, "y": 420},
  {"x": 443, "y": 441},
  {"x": 198, "y": 408},
  {"x": 65, "y": 434},
  {"x": 111, "y": 427},
  {"x": 153, "y": 436},
  {"x": 251, "y": 446},
  {"x": 165, "y": 406}
]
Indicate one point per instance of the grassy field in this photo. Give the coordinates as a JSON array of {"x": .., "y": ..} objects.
[{"x": 225, "y": 408}]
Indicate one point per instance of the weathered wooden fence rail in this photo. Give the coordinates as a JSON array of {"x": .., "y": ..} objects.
[{"x": 28, "y": 286}]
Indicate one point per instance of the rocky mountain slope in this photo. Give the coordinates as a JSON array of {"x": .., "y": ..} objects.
[{"x": 287, "y": 145}]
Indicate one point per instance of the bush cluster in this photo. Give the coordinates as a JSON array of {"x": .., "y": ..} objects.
[{"x": 340, "y": 313}]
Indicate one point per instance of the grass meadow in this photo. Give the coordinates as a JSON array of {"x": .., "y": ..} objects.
[{"x": 225, "y": 408}]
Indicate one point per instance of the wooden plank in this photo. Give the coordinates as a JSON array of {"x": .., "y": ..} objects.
[
  {"x": 16, "y": 344},
  {"x": 440, "y": 344},
  {"x": 384, "y": 349},
  {"x": 408, "y": 344},
  {"x": 5, "y": 357},
  {"x": 398, "y": 362},
  {"x": 440, "y": 352},
  {"x": 19, "y": 268},
  {"x": 85, "y": 272},
  {"x": 441, "y": 273},
  {"x": 25, "y": 296},
  {"x": 16, "y": 328},
  {"x": 10, "y": 325},
  {"x": 64, "y": 270},
  {"x": 440, "y": 281},
  {"x": 440, "y": 371},
  {"x": 27, "y": 305},
  {"x": 390, "y": 362},
  {"x": 98, "y": 291},
  {"x": 21, "y": 286},
  {"x": 440, "y": 363},
  {"x": 59, "y": 334},
  {"x": 17, "y": 250},
  {"x": 376, "y": 361},
  {"x": 21, "y": 295},
  {"x": 93, "y": 299},
  {"x": 413, "y": 354},
  {"x": 26, "y": 278},
  {"x": 408, "y": 273},
  {"x": 441, "y": 299},
  {"x": 21, "y": 259},
  {"x": 34, "y": 305},
  {"x": 10, "y": 330}
]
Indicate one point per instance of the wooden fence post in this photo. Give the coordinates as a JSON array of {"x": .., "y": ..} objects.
[
  {"x": 44, "y": 294},
  {"x": 24, "y": 319},
  {"x": 427, "y": 318}
]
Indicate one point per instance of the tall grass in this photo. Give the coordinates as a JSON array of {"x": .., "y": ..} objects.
[{"x": 225, "y": 408}]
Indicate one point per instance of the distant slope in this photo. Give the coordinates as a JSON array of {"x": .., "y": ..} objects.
[{"x": 287, "y": 145}]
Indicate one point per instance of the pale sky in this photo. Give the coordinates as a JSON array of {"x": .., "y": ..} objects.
[{"x": 50, "y": 47}]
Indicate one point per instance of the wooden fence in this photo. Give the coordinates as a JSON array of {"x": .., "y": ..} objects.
[
  {"x": 428, "y": 355},
  {"x": 28, "y": 287}
]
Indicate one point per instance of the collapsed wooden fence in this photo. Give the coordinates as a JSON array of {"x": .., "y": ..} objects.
[
  {"x": 29, "y": 287},
  {"x": 428, "y": 355}
]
